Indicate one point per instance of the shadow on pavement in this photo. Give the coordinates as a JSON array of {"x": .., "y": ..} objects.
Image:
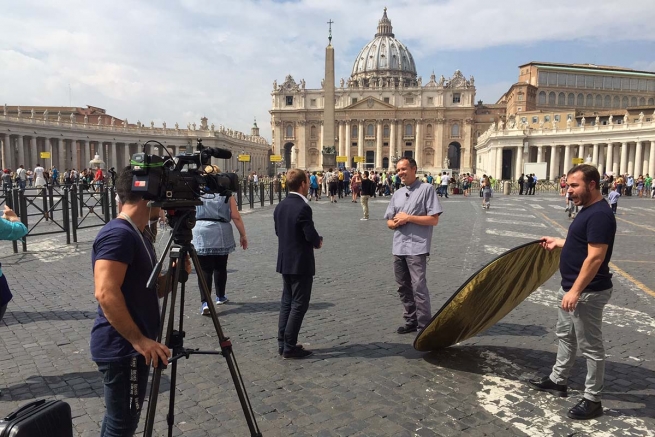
[
  {"x": 369, "y": 350},
  {"x": 624, "y": 382},
  {"x": 69, "y": 385},
  {"x": 515, "y": 329},
  {"x": 263, "y": 307},
  {"x": 25, "y": 317}
]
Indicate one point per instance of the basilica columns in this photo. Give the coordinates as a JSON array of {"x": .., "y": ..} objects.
[
  {"x": 651, "y": 162},
  {"x": 393, "y": 150},
  {"x": 609, "y": 164},
  {"x": 623, "y": 164},
  {"x": 638, "y": 158},
  {"x": 342, "y": 139},
  {"x": 540, "y": 154},
  {"x": 378, "y": 145},
  {"x": 360, "y": 142},
  {"x": 554, "y": 159},
  {"x": 498, "y": 169},
  {"x": 567, "y": 158},
  {"x": 348, "y": 144},
  {"x": 418, "y": 154},
  {"x": 601, "y": 159},
  {"x": 594, "y": 153}
]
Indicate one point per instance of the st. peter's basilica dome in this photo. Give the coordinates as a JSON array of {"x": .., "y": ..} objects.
[{"x": 385, "y": 61}]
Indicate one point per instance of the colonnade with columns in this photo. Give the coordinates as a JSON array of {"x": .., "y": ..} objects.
[
  {"x": 635, "y": 157},
  {"x": 70, "y": 151}
]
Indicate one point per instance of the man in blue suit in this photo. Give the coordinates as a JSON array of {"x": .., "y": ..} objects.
[{"x": 297, "y": 239}]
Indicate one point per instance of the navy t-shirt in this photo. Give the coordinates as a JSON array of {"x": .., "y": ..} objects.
[
  {"x": 594, "y": 224},
  {"x": 119, "y": 241}
]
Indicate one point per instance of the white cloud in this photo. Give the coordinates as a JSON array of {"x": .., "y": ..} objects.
[{"x": 179, "y": 60}]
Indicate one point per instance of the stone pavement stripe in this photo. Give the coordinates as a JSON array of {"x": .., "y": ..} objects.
[
  {"x": 536, "y": 206},
  {"x": 504, "y": 233},
  {"x": 546, "y": 416},
  {"x": 613, "y": 315},
  {"x": 510, "y": 214},
  {"x": 650, "y": 228},
  {"x": 494, "y": 250},
  {"x": 514, "y": 222},
  {"x": 613, "y": 266}
]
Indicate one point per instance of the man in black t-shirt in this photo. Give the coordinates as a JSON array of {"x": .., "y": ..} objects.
[
  {"x": 123, "y": 338},
  {"x": 586, "y": 289}
]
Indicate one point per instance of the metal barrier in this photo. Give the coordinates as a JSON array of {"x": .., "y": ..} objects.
[
  {"x": 86, "y": 206},
  {"x": 250, "y": 193}
]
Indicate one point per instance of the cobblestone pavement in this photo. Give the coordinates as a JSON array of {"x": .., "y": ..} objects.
[{"x": 364, "y": 379}]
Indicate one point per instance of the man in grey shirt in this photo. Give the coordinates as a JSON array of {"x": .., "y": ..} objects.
[{"x": 413, "y": 211}]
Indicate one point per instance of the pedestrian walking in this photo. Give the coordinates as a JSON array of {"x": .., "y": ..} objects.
[
  {"x": 613, "y": 199},
  {"x": 368, "y": 190},
  {"x": 486, "y": 193},
  {"x": 11, "y": 228}
]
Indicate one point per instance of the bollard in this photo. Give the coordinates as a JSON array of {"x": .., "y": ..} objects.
[
  {"x": 239, "y": 197},
  {"x": 65, "y": 214},
  {"x": 251, "y": 192},
  {"x": 112, "y": 200},
  {"x": 261, "y": 193},
  {"x": 74, "y": 211},
  {"x": 507, "y": 188},
  {"x": 23, "y": 217},
  {"x": 270, "y": 191},
  {"x": 51, "y": 201}
]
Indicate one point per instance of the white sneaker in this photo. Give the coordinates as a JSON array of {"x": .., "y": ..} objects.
[{"x": 363, "y": 218}]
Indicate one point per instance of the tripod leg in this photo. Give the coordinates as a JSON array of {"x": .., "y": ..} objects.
[
  {"x": 226, "y": 351},
  {"x": 156, "y": 376}
]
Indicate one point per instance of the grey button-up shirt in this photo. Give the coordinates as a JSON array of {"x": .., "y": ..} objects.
[{"x": 415, "y": 199}]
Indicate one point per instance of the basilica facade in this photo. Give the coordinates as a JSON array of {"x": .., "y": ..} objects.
[{"x": 383, "y": 111}]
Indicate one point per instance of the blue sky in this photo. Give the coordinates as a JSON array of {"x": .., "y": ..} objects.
[{"x": 177, "y": 60}]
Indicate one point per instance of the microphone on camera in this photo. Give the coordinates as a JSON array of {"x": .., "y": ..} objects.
[{"x": 218, "y": 153}]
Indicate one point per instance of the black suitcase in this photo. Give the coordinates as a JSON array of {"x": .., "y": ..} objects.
[{"x": 39, "y": 418}]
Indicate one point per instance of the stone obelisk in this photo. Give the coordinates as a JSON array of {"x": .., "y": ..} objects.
[{"x": 329, "y": 152}]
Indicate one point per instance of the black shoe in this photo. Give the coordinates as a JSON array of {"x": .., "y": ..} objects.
[
  {"x": 585, "y": 410},
  {"x": 296, "y": 354},
  {"x": 280, "y": 349},
  {"x": 545, "y": 384},
  {"x": 406, "y": 329}
]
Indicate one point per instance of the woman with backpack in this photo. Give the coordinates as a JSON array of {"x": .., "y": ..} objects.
[{"x": 333, "y": 182}]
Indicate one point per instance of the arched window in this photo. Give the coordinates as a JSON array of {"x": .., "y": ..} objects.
[
  {"x": 633, "y": 101},
  {"x": 590, "y": 100},
  {"x": 571, "y": 100},
  {"x": 385, "y": 131},
  {"x": 580, "y": 100},
  {"x": 542, "y": 97},
  {"x": 551, "y": 98},
  {"x": 599, "y": 100},
  {"x": 624, "y": 102},
  {"x": 370, "y": 130},
  {"x": 561, "y": 99},
  {"x": 616, "y": 102},
  {"x": 642, "y": 101},
  {"x": 428, "y": 130},
  {"x": 312, "y": 131},
  {"x": 289, "y": 131},
  {"x": 353, "y": 131},
  {"x": 607, "y": 102},
  {"x": 409, "y": 130},
  {"x": 651, "y": 101},
  {"x": 454, "y": 130}
]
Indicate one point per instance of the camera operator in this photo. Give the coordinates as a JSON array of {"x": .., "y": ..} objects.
[
  {"x": 10, "y": 229},
  {"x": 124, "y": 332},
  {"x": 213, "y": 240}
]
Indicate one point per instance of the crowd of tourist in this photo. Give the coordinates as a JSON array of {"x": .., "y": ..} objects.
[{"x": 40, "y": 177}]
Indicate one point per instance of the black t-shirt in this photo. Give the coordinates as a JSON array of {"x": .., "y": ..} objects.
[
  {"x": 118, "y": 241},
  {"x": 594, "y": 224}
]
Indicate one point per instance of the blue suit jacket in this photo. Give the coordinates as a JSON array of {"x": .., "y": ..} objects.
[{"x": 297, "y": 237}]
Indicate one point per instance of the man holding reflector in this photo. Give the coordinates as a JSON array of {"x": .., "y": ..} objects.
[{"x": 586, "y": 289}]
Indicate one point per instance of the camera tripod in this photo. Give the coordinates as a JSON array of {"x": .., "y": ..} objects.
[{"x": 182, "y": 218}]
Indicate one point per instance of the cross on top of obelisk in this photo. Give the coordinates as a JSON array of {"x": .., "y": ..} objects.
[{"x": 330, "y": 35}]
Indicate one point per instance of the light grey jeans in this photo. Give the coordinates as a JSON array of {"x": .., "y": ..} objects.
[
  {"x": 413, "y": 289},
  {"x": 582, "y": 328}
]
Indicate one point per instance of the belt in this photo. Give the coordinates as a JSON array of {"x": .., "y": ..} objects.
[{"x": 212, "y": 220}]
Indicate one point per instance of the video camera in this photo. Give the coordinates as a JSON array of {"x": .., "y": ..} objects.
[{"x": 183, "y": 178}]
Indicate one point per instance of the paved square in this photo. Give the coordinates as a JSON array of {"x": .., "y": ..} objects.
[{"x": 364, "y": 379}]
